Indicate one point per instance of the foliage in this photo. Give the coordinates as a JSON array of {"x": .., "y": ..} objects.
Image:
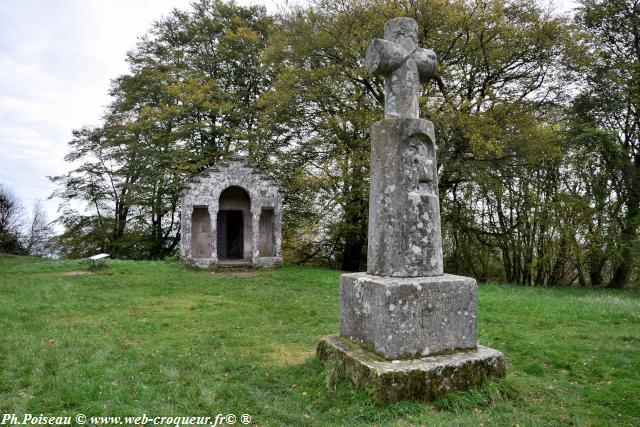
[
  {"x": 537, "y": 166},
  {"x": 321, "y": 100},
  {"x": 499, "y": 145},
  {"x": 605, "y": 129},
  {"x": 19, "y": 233},
  {"x": 10, "y": 222},
  {"x": 190, "y": 98},
  {"x": 165, "y": 339},
  {"x": 38, "y": 233}
]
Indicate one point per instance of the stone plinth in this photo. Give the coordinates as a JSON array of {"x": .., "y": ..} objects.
[
  {"x": 402, "y": 318},
  {"x": 404, "y": 211},
  {"x": 421, "y": 379}
]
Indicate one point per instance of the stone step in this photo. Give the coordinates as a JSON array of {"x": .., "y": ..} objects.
[{"x": 230, "y": 263}]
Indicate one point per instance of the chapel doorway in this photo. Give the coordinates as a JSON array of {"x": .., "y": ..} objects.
[
  {"x": 234, "y": 225},
  {"x": 230, "y": 234}
]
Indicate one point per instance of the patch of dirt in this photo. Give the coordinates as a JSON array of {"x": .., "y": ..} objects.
[
  {"x": 283, "y": 355},
  {"x": 77, "y": 273},
  {"x": 70, "y": 319}
]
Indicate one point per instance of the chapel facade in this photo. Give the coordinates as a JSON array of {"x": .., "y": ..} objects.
[{"x": 231, "y": 216}]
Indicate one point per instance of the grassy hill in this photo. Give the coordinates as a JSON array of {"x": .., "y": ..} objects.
[{"x": 164, "y": 339}]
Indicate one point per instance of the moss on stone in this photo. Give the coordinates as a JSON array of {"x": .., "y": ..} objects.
[{"x": 387, "y": 382}]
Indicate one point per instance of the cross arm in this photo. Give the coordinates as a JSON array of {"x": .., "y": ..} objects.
[
  {"x": 384, "y": 56},
  {"x": 427, "y": 63}
]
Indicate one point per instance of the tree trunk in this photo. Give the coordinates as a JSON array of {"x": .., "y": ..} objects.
[
  {"x": 596, "y": 265},
  {"x": 353, "y": 257},
  {"x": 629, "y": 232}
]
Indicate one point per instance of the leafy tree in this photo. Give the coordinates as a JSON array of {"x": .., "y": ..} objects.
[
  {"x": 497, "y": 61},
  {"x": 190, "y": 98},
  {"x": 20, "y": 234},
  {"x": 607, "y": 128},
  {"x": 527, "y": 195},
  {"x": 38, "y": 232},
  {"x": 497, "y": 120},
  {"x": 321, "y": 103}
]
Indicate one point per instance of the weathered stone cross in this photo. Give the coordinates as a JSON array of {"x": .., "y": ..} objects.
[
  {"x": 421, "y": 321},
  {"x": 403, "y": 64}
]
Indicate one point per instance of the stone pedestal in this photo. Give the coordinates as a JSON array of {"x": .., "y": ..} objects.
[
  {"x": 410, "y": 338},
  {"x": 421, "y": 379},
  {"x": 405, "y": 318}
]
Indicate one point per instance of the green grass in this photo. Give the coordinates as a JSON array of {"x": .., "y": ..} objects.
[{"x": 164, "y": 339}]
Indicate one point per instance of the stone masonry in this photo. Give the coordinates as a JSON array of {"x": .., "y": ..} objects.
[
  {"x": 233, "y": 208},
  {"x": 404, "y": 210},
  {"x": 407, "y": 318}
]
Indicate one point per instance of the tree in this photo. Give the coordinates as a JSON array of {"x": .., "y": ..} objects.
[
  {"x": 495, "y": 115},
  {"x": 607, "y": 125},
  {"x": 529, "y": 194},
  {"x": 320, "y": 104},
  {"x": 189, "y": 99},
  {"x": 38, "y": 232},
  {"x": 10, "y": 221}
]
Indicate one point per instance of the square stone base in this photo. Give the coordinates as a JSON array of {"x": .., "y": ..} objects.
[
  {"x": 419, "y": 379},
  {"x": 409, "y": 317}
]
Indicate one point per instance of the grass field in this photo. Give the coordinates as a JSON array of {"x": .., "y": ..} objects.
[{"x": 164, "y": 339}]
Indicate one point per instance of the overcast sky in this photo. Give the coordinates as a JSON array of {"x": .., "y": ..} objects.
[{"x": 56, "y": 62}]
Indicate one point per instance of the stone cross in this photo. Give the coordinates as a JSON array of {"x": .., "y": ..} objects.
[
  {"x": 403, "y": 64},
  {"x": 417, "y": 323},
  {"x": 404, "y": 211}
]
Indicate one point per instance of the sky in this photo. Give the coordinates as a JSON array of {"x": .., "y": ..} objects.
[{"x": 57, "y": 59}]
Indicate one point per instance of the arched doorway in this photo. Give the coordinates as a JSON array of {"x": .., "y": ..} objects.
[{"x": 234, "y": 224}]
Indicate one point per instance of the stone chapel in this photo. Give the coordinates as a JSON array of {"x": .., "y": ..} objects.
[{"x": 231, "y": 216}]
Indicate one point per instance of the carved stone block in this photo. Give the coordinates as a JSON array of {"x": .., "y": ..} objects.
[
  {"x": 404, "y": 210},
  {"x": 402, "y": 318}
]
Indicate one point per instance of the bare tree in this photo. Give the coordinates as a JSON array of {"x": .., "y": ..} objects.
[
  {"x": 37, "y": 235},
  {"x": 10, "y": 221}
]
